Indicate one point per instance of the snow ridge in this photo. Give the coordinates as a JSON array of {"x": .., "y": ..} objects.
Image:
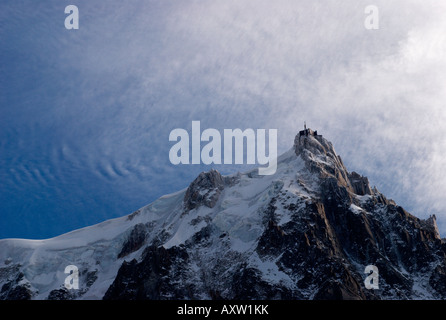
[{"x": 306, "y": 232}]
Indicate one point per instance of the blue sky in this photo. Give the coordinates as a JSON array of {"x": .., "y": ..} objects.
[{"x": 85, "y": 115}]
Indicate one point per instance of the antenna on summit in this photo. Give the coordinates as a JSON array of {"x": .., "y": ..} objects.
[{"x": 305, "y": 125}]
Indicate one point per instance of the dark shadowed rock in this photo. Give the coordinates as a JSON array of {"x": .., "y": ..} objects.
[
  {"x": 17, "y": 287},
  {"x": 320, "y": 253},
  {"x": 204, "y": 190},
  {"x": 149, "y": 279},
  {"x": 359, "y": 184},
  {"x": 134, "y": 241}
]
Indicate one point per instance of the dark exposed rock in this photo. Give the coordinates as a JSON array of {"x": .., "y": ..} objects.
[
  {"x": 17, "y": 288},
  {"x": 134, "y": 241},
  {"x": 320, "y": 253},
  {"x": 320, "y": 249},
  {"x": 18, "y": 292},
  {"x": 247, "y": 284},
  {"x": 148, "y": 279},
  {"x": 359, "y": 184},
  {"x": 341, "y": 284},
  {"x": 438, "y": 279},
  {"x": 430, "y": 225},
  {"x": 60, "y": 294},
  {"x": 86, "y": 280}
]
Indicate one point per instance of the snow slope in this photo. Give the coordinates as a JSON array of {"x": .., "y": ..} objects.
[{"x": 305, "y": 232}]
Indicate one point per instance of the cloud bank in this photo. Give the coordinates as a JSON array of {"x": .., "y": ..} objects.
[{"x": 85, "y": 116}]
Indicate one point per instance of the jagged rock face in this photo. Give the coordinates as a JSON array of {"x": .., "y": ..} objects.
[
  {"x": 204, "y": 190},
  {"x": 86, "y": 279},
  {"x": 317, "y": 253},
  {"x": 359, "y": 184},
  {"x": 148, "y": 279},
  {"x": 321, "y": 158},
  {"x": 307, "y": 232},
  {"x": 14, "y": 286},
  {"x": 135, "y": 240}
]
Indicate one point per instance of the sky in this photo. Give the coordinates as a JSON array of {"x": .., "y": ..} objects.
[{"x": 85, "y": 114}]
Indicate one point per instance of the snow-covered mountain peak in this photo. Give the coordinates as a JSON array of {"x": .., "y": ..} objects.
[
  {"x": 321, "y": 158},
  {"x": 306, "y": 232}
]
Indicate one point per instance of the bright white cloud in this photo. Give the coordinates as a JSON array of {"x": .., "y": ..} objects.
[
  {"x": 378, "y": 94},
  {"x": 137, "y": 70},
  {"x": 393, "y": 111}
]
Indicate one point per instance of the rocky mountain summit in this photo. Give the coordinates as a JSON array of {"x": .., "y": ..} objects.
[{"x": 306, "y": 232}]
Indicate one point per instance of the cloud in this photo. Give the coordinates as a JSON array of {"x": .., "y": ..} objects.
[
  {"x": 379, "y": 95},
  {"x": 89, "y": 112},
  {"x": 392, "y": 110}
]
